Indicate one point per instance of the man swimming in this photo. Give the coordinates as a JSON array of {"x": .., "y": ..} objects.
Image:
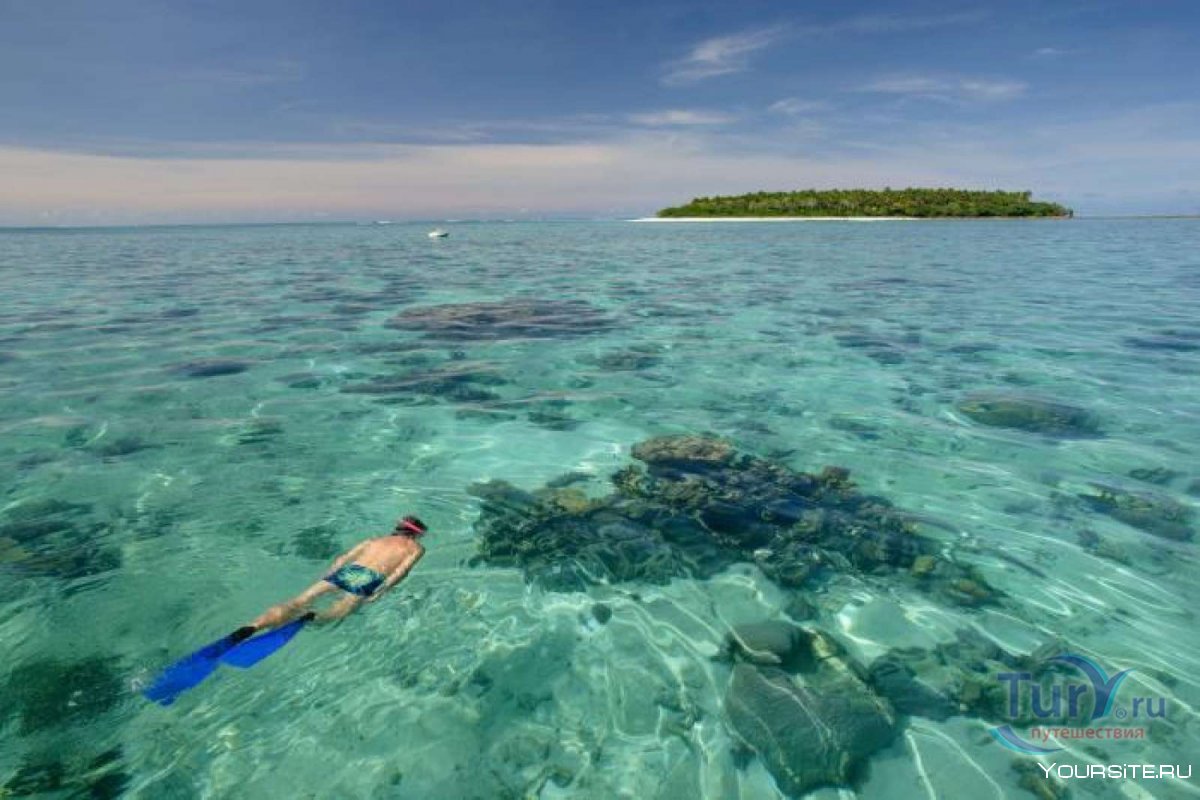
[{"x": 363, "y": 574}]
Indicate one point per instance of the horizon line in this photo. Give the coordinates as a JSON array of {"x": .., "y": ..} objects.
[{"x": 492, "y": 220}]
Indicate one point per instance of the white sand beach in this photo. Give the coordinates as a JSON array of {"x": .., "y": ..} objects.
[{"x": 775, "y": 219}]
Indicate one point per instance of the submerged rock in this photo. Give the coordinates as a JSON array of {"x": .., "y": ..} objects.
[
  {"x": 41, "y": 515},
  {"x": 505, "y": 319},
  {"x": 632, "y": 360},
  {"x": 303, "y": 380},
  {"x": 1159, "y": 476},
  {"x": 1150, "y": 512},
  {"x": 53, "y": 694},
  {"x": 318, "y": 542},
  {"x": 458, "y": 382},
  {"x": 775, "y": 643},
  {"x": 856, "y": 426},
  {"x": 35, "y": 777},
  {"x": 1092, "y": 542},
  {"x": 1035, "y": 780},
  {"x": 258, "y": 430},
  {"x": 117, "y": 446},
  {"x": 806, "y": 737},
  {"x": 1030, "y": 414},
  {"x": 54, "y": 538},
  {"x": 961, "y": 677},
  {"x": 552, "y": 419},
  {"x": 212, "y": 367},
  {"x": 98, "y": 777},
  {"x": 875, "y": 346},
  {"x": 909, "y": 695},
  {"x": 1178, "y": 341}
]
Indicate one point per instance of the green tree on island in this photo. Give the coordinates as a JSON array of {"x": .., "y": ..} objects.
[{"x": 871, "y": 203}]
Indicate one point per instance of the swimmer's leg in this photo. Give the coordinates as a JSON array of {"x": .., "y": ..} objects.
[
  {"x": 339, "y": 610},
  {"x": 287, "y": 611}
]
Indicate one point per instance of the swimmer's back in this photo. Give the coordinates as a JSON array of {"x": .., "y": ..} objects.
[{"x": 385, "y": 553}]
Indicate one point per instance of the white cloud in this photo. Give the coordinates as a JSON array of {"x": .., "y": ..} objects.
[
  {"x": 794, "y": 106},
  {"x": 680, "y": 117},
  {"x": 721, "y": 55},
  {"x": 939, "y": 88}
]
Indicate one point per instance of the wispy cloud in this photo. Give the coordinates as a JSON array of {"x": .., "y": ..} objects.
[
  {"x": 794, "y": 106},
  {"x": 892, "y": 23},
  {"x": 1052, "y": 52},
  {"x": 725, "y": 55},
  {"x": 561, "y": 128},
  {"x": 721, "y": 55},
  {"x": 946, "y": 89},
  {"x": 906, "y": 84},
  {"x": 260, "y": 73},
  {"x": 991, "y": 90},
  {"x": 681, "y": 116}
]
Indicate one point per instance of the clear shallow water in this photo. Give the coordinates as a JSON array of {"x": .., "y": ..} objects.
[{"x": 210, "y": 400}]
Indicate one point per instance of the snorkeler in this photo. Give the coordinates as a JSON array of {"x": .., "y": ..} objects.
[{"x": 363, "y": 574}]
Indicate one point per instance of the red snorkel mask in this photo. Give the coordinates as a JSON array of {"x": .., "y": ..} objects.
[{"x": 411, "y": 525}]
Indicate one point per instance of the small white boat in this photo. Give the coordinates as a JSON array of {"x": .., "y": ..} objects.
[{"x": 438, "y": 233}]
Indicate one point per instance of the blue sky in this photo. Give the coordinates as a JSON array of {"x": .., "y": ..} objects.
[{"x": 136, "y": 111}]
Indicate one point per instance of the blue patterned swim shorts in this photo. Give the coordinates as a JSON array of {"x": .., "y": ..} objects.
[{"x": 356, "y": 579}]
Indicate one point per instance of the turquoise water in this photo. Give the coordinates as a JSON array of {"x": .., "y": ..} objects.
[{"x": 195, "y": 420}]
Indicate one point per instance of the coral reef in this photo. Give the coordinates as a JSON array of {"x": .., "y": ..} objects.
[{"x": 699, "y": 506}]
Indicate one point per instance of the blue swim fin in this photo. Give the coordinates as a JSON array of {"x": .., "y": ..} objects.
[
  {"x": 188, "y": 671},
  {"x": 252, "y": 651}
]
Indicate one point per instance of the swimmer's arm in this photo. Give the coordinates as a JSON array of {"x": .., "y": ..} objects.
[
  {"x": 344, "y": 557},
  {"x": 397, "y": 574}
]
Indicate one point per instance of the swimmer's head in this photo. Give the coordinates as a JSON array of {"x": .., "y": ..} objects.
[{"x": 410, "y": 526}]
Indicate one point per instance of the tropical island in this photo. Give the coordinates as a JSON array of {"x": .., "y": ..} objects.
[{"x": 856, "y": 203}]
